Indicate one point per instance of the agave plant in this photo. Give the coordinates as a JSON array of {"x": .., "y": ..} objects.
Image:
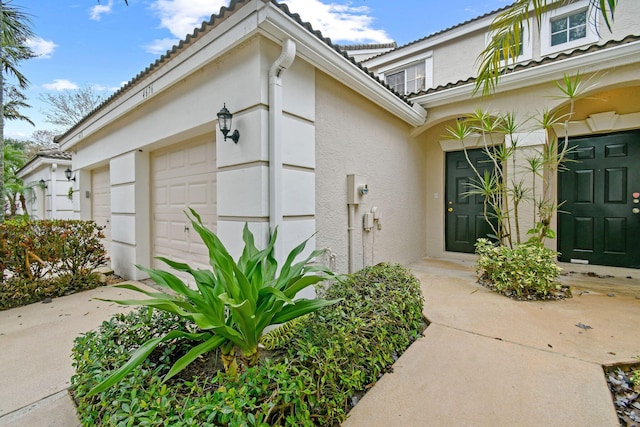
[{"x": 232, "y": 304}]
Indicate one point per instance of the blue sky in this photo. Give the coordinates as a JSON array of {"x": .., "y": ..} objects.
[{"x": 103, "y": 45}]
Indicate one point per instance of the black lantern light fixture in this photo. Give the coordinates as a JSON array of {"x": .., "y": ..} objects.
[
  {"x": 68, "y": 173},
  {"x": 43, "y": 184},
  {"x": 224, "y": 121}
]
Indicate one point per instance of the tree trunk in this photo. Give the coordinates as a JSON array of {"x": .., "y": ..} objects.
[{"x": 2, "y": 199}]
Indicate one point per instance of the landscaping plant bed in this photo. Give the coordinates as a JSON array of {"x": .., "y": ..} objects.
[
  {"x": 625, "y": 394},
  {"x": 312, "y": 373}
]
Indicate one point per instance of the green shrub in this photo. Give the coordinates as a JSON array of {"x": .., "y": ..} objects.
[
  {"x": 38, "y": 256},
  {"x": 16, "y": 292},
  {"x": 333, "y": 356},
  {"x": 38, "y": 249},
  {"x": 528, "y": 269}
]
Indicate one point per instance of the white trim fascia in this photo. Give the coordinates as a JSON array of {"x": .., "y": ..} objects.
[
  {"x": 429, "y": 43},
  {"x": 255, "y": 17},
  {"x": 38, "y": 163},
  {"x": 219, "y": 40},
  {"x": 586, "y": 63},
  {"x": 275, "y": 25}
]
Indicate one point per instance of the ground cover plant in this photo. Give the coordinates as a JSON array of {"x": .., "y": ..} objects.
[
  {"x": 47, "y": 258},
  {"x": 314, "y": 372},
  {"x": 526, "y": 272}
]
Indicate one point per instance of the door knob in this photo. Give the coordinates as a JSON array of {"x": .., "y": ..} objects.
[
  {"x": 450, "y": 210},
  {"x": 635, "y": 211}
]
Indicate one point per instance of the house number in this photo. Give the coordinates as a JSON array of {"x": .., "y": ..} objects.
[{"x": 147, "y": 91}]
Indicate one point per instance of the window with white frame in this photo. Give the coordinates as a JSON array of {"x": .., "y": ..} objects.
[
  {"x": 408, "y": 80},
  {"x": 568, "y": 27}
]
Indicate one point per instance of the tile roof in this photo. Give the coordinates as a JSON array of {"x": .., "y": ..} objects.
[
  {"x": 207, "y": 26},
  {"x": 391, "y": 45},
  {"x": 53, "y": 153},
  {"x": 535, "y": 63}
]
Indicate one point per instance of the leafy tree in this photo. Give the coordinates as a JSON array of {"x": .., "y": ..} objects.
[
  {"x": 68, "y": 107},
  {"x": 14, "y": 31},
  {"x": 15, "y": 189},
  {"x": 507, "y": 32}
]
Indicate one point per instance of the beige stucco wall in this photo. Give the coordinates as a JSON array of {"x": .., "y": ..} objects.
[{"x": 355, "y": 137}]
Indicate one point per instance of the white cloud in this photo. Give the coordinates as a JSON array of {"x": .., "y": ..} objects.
[
  {"x": 340, "y": 22},
  {"x": 100, "y": 9},
  {"x": 41, "y": 48},
  {"x": 103, "y": 88},
  {"x": 60, "y": 84},
  {"x": 160, "y": 46},
  {"x": 181, "y": 17}
]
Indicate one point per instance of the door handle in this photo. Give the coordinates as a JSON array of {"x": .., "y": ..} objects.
[
  {"x": 450, "y": 210},
  {"x": 636, "y": 211}
]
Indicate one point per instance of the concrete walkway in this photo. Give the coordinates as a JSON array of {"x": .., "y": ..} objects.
[
  {"x": 35, "y": 349},
  {"x": 485, "y": 360}
]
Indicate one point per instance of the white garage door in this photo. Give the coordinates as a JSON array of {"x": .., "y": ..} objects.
[
  {"x": 182, "y": 176},
  {"x": 101, "y": 202}
]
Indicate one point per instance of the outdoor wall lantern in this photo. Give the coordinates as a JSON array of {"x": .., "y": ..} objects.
[
  {"x": 68, "y": 173},
  {"x": 224, "y": 121},
  {"x": 43, "y": 184}
]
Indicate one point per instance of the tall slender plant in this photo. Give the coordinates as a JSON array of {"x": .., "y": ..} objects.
[{"x": 501, "y": 189}]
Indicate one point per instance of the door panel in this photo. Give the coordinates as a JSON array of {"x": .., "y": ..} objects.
[
  {"x": 183, "y": 176},
  {"x": 464, "y": 218},
  {"x": 597, "y": 220}
]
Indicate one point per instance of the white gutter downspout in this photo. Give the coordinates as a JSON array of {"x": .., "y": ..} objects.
[
  {"x": 53, "y": 191},
  {"x": 275, "y": 137}
]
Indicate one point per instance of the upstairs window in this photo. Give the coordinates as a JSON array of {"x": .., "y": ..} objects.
[
  {"x": 569, "y": 28},
  {"x": 408, "y": 80}
]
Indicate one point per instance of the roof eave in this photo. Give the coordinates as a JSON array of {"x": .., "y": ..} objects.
[
  {"x": 278, "y": 27},
  {"x": 616, "y": 56}
]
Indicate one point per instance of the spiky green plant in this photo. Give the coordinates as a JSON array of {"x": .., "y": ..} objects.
[{"x": 233, "y": 303}]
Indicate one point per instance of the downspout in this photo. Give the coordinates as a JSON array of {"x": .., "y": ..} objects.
[
  {"x": 283, "y": 62},
  {"x": 53, "y": 190}
]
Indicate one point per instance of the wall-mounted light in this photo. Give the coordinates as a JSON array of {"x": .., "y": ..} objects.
[
  {"x": 69, "y": 174},
  {"x": 43, "y": 184},
  {"x": 224, "y": 121}
]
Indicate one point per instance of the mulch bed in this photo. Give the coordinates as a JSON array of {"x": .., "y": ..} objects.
[{"x": 625, "y": 398}]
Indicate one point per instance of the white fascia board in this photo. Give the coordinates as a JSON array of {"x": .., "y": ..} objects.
[
  {"x": 586, "y": 63},
  {"x": 221, "y": 39},
  {"x": 428, "y": 43},
  {"x": 275, "y": 25},
  {"x": 39, "y": 163}
]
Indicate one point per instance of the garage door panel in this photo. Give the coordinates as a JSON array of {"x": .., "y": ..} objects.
[
  {"x": 183, "y": 176},
  {"x": 101, "y": 202}
]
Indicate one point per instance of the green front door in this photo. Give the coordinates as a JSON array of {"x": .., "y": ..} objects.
[
  {"x": 600, "y": 221},
  {"x": 464, "y": 218}
]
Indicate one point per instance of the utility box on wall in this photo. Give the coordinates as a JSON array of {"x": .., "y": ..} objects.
[{"x": 356, "y": 188}]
